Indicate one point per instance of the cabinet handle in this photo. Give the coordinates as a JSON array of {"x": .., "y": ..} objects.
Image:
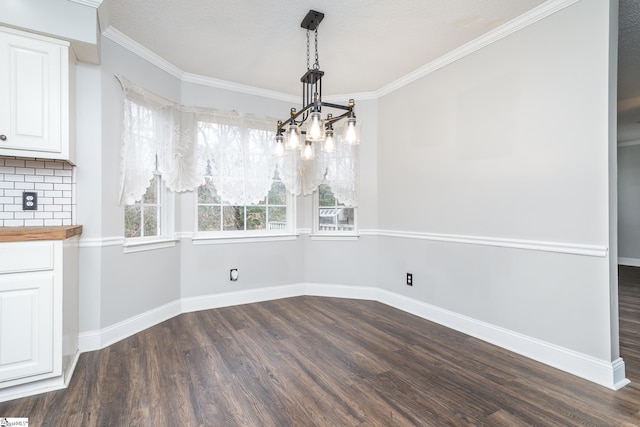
[{"x": 3, "y": 137}]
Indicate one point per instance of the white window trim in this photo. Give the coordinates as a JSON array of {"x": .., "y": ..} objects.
[
  {"x": 166, "y": 239},
  {"x": 200, "y": 239},
  {"x": 243, "y": 236},
  {"x": 318, "y": 234}
]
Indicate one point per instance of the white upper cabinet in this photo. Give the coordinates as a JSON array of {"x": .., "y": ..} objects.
[{"x": 35, "y": 96}]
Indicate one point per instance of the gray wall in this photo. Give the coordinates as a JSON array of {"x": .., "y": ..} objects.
[
  {"x": 629, "y": 204},
  {"x": 510, "y": 142}
]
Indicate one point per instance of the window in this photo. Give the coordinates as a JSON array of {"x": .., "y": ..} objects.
[
  {"x": 145, "y": 217},
  {"x": 333, "y": 216},
  {"x": 239, "y": 169},
  {"x": 269, "y": 215},
  {"x": 145, "y": 199}
]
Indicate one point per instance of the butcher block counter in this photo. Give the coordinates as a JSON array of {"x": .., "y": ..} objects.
[{"x": 23, "y": 234}]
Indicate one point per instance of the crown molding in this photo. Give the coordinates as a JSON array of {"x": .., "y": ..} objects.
[
  {"x": 237, "y": 87},
  {"x": 534, "y": 15},
  {"x": 144, "y": 53},
  {"x": 91, "y": 3}
]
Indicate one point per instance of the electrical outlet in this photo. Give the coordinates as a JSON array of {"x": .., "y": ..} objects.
[
  {"x": 29, "y": 201},
  {"x": 233, "y": 274},
  {"x": 409, "y": 279}
]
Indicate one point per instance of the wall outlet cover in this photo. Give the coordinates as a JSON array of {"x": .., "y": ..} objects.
[{"x": 29, "y": 201}]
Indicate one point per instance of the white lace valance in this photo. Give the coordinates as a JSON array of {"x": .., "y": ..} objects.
[{"x": 181, "y": 141}]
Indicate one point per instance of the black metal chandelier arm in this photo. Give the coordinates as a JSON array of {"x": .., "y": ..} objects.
[
  {"x": 337, "y": 106},
  {"x": 349, "y": 110},
  {"x": 336, "y": 119}
]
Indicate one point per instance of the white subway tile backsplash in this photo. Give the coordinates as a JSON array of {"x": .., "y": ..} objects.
[
  {"x": 24, "y": 215},
  {"x": 53, "y": 193},
  {"x": 24, "y": 186},
  {"x": 43, "y": 186},
  {"x": 53, "y": 179},
  {"x": 55, "y": 183},
  {"x": 14, "y": 193},
  {"x": 34, "y": 164},
  {"x": 54, "y": 165},
  {"x": 14, "y": 162},
  {"x": 62, "y": 215},
  {"x": 13, "y": 178},
  {"x": 62, "y": 201}
]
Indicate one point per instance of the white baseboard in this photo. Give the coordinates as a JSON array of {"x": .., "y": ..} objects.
[
  {"x": 605, "y": 373},
  {"x": 228, "y": 299},
  {"x": 632, "y": 262},
  {"x": 94, "y": 340}
]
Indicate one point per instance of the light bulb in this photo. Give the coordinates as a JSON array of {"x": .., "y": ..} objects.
[
  {"x": 315, "y": 127},
  {"x": 293, "y": 138},
  {"x": 279, "y": 149},
  {"x": 307, "y": 151},
  {"x": 329, "y": 145},
  {"x": 350, "y": 132}
]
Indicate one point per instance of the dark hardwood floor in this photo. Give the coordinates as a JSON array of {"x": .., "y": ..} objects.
[{"x": 311, "y": 361}]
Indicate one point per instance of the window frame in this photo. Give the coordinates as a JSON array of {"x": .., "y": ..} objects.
[
  {"x": 318, "y": 234},
  {"x": 165, "y": 237},
  {"x": 246, "y": 234}
]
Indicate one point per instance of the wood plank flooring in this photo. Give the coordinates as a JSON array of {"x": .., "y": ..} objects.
[{"x": 312, "y": 361}]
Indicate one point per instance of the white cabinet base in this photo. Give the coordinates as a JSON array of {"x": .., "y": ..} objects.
[
  {"x": 41, "y": 386},
  {"x": 26, "y": 330},
  {"x": 38, "y": 316}
]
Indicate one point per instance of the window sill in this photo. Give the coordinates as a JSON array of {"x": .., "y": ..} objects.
[
  {"x": 322, "y": 236},
  {"x": 132, "y": 246},
  {"x": 207, "y": 239}
]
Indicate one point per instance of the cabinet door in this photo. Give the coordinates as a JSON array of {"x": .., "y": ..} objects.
[
  {"x": 31, "y": 105},
  {"x": 26, "y": 325}
]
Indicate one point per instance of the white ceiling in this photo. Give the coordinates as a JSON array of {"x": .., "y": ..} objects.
[{"x": 364, "y": 45}]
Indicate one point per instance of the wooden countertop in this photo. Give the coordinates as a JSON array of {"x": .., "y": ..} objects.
[{"x": 21, "y": 234}]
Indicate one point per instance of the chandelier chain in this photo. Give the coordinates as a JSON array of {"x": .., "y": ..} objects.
[
  {"x": 316, "y": 65},
  {"x": 308, "y": 62}
]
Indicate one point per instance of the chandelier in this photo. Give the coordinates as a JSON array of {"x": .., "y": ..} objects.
[{"x": 291, "y": 134}]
